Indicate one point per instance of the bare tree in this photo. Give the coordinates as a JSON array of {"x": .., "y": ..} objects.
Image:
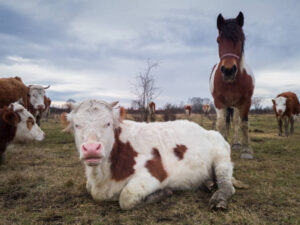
[
  {"x": 145, "y": 89},
  {"x": 256, "y": 102}
]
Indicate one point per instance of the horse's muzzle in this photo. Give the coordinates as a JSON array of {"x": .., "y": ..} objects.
[{"x": 229, "y": 74}]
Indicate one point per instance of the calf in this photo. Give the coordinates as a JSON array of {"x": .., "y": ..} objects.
[
  {"x": 136, "y": 162},
  {"x": 16, "y": 123},
  {"x": 286, "y": 105}
]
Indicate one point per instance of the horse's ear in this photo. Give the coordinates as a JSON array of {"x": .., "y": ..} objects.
[
  {"x": 240, "y": 19},
  {"x": 220, "y": 22}
]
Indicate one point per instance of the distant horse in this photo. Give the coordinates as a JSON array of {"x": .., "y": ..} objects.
[{"x": 232, "y": 82}]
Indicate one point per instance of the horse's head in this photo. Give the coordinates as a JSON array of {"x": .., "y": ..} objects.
[{"x": 231, "y": 45}]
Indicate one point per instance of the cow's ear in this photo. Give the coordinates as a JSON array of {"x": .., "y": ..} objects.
[
  {"x": 273, "y": 100},
  {"x": 11, "y": 118},
  {"x": 122, "y": 113}
]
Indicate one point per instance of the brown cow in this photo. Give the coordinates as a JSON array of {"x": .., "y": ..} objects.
[
  {"x": 188, "y": 110},
  {"x": 11, "y": 90},
  {"x": 152, "y": 107},
  {"x": 206, "y": 108},
  {"x": 286, "y": 105}
]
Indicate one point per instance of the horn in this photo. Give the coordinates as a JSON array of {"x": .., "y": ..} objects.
[
  {"x": 113, "y": 104},
  {"x": 47, "y": 87}
]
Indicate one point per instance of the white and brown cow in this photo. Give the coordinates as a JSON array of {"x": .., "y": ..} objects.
[
  {"x": 188, "y": 110},
  {"x": 286, "y": 105},
  {"x": 16, "y": 123},
  {"x": 206, "y": 109},
  {"x": 135, "y": 162},
  {"x": 152, "y": 108}
]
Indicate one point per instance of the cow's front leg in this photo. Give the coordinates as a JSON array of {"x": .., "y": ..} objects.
[
  {"x": 137, "y": 189},
  {"x": 280, "y": 126},
  {"x": 221, "y": 122},
  {"x": 286, "y": 126},
  {"x": 292, "y": 125},
  {"x": 223, "y": 170}
]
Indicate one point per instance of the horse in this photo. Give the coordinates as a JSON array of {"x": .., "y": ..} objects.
[{"x": 232, "y": 82}]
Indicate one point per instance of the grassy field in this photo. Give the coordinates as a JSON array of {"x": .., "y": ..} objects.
[{"x": 44, "y": 183}]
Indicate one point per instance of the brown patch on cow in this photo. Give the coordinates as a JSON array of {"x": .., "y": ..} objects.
[
  {"x": 121, "y": 158},
  {"x": 29, "y": 123},
  {"x": 179, "y": 151},
  {"x": 156, "y": 167}
]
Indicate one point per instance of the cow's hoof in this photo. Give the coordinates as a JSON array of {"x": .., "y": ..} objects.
[
  {"x": 280, "y": 134},
  {"x": 236, "y": 146},
  {"x": 158, "y": 195},
  {"x": 217, "y": 204},
  {"x": 246, "y": 156},
  {"x": 209, "y": 186}
]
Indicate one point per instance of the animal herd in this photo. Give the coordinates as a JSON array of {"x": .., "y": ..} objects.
[{"x": 138, "y": 163}]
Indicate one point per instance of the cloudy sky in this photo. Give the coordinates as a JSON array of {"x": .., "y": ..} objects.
[{"x": 96, "y": 48}]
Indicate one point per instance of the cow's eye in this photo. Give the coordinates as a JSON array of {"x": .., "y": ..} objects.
[
  {"x": 108, "y": 124},
  {"x": 77, "y": 126}
]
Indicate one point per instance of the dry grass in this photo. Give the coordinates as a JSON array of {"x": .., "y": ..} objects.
[{"x": 43, "y": 183}]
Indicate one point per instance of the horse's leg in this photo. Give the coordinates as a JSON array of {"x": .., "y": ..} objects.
[
  {"x": 292, "y": 125},
  {"x": 279, "y": 126},
  {"x": 246, "y": 151},
  {"x": 221, "y": 121},
  {"x": 286, "y": 126},
  {"x": 236, "y": 125}
]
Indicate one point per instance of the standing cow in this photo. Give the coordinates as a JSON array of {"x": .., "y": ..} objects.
[
  {"x": 188, "y": 110},
  {"x": 16, "y": 123},
  {"x": 36, "y": 103},
  {"x": 11, "y": 90},
  {"x": 206, "y": 109},
  {"x": 138, "y": 162},
  {"x": 286, "y": 105}
]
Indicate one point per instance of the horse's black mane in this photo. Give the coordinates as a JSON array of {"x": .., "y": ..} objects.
[{"x": 231, "y": 30}]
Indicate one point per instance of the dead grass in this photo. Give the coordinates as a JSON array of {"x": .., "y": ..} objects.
[{"x": 43, "y": 183}]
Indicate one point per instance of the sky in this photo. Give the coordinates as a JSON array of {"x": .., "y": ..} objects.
[{"x": 94, "y": 49}]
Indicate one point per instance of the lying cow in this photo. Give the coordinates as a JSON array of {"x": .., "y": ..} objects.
[
  {"x": 286, "y": 105},
  {"x": 16, "y": 123},
  {"x": 137, "y": 162}
]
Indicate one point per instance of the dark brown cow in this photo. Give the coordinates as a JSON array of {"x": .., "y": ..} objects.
[
  {"x": 11, "y": 90},
  {"x": 188, "y": 110},
  {"x": 286, "y": 105}
]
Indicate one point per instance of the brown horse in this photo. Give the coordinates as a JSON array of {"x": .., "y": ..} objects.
[{"x": 232, "y": 82}]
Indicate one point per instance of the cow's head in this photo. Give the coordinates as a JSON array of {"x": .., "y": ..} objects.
[
  {"x": 27, "y": 129},
  {"x": 279, "y": 104},
  {"x": 36, "y": 96},
  {"x": 93, "y": 123}
]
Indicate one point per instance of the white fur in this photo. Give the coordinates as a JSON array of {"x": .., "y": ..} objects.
[
  {"x": 280, "y": 104},
  {"x": 212, "y": 78},
  {"x": 23, "y": 133},
  {"x": 244, "y": 66},
  {"x": 37, "y": 93},
  {"x": 205, "y": 150}
]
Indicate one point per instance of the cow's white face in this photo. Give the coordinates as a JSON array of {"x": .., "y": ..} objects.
[
  {"x": 280, "y": 104},
  {"x": 93, "y": 123},
  {"x": 27, "y": 129},
  {"x": 36, "y": 94}
]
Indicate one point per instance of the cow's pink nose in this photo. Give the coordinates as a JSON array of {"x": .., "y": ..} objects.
[
  {"x": 280, "y": 111},
  {"x": 91, "y": 147},
  {"x": 41, "y": 106}
]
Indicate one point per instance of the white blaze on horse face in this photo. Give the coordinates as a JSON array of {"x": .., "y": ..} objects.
[
  {"x": 280, "y": 104},
  {"x": 93, "y": 124},
  {"x": 37, "y": 93},
  {"x": 27, "y": 129}
]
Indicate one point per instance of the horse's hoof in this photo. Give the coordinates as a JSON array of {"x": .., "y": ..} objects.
[
  {"x": 236, "y": 146},
  {"x": 246, "y": 156}
]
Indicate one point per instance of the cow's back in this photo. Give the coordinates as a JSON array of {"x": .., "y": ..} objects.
[
  {"x": 11, "y": 90},
  {"x": 293, "y": 105}
]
